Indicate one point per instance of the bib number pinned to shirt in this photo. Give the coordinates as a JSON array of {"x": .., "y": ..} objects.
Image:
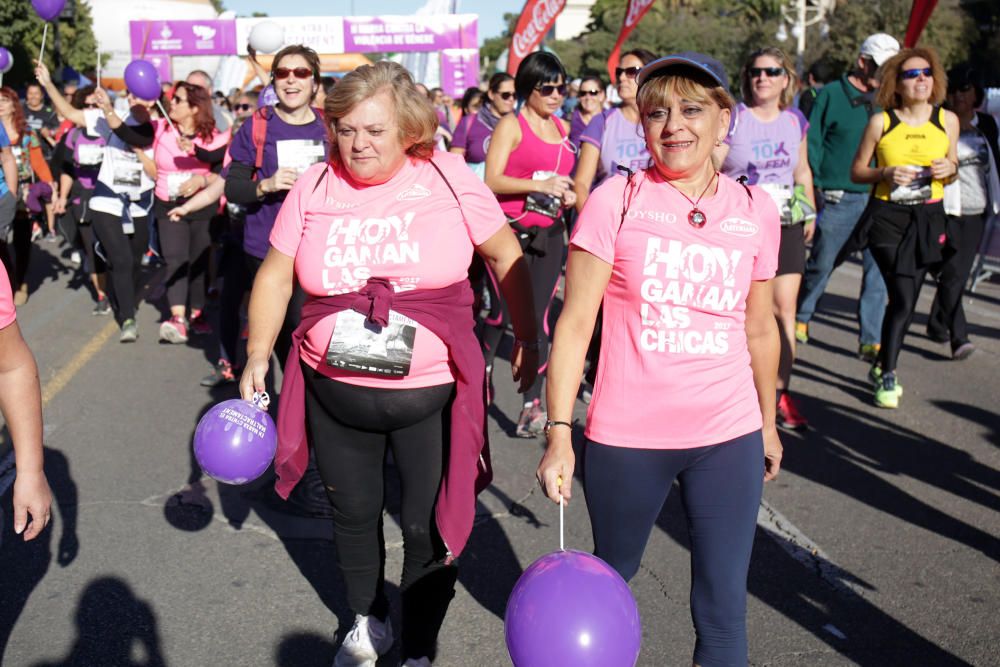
[{"x": 363, "y": 347}]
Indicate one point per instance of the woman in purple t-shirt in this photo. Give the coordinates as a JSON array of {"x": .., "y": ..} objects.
[
  {"x": 767, "y": 146},
  {"x": 591, "y": 104},
  {"x": 474, "y": 131}
]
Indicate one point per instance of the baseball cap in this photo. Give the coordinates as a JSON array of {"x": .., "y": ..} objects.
[
  {"x": 879, "y": 47},
  {"x": 699, "y": 61}
]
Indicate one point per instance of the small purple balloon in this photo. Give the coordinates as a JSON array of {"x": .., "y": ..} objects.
[
  {"x": 572, "y": 608},
  {"x": 235, "y": 442},
  {"x": 6, "y": 60},
  {"x": 48, "y": 10},
  {"x": 142, "y": 80}
]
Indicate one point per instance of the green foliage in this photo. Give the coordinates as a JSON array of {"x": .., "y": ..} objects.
[{"x": 21, "y": 33}]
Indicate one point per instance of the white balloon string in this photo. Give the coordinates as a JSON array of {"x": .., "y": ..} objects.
[
  {"x": 167, "y": 116},
  {"x": 562, "y": 546},
  {"x": 45, "y": 33}
]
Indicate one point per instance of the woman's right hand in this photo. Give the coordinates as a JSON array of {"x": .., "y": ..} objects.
[
  {"x": 557, "y": 186},
  {"x": 555, "y": 471},
  {"x": 283, "y": 179},
  {"x": 42, "y": 74},
  {"x": 103, "y": 100},
  {"x": 177, "y": 213},
  {"x": 901, "y": 175},
  {"x": 254, "y": 377}
]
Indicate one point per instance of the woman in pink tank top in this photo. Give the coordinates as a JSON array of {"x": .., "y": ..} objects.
[{"x": 527, "y": 167}]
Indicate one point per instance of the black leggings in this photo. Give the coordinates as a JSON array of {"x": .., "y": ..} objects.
[
  {"x": 185, "y": 246},
  {"x": 17, "y": 265},
  {"x": 545, "y": 266},
  {"x": 81, "y": 235},
  {"x": 350, "y": 428},
  {"x": 947, "y": 316},
  {"x": 903, "y": 294},
  {"x": 124, "y": 254}
]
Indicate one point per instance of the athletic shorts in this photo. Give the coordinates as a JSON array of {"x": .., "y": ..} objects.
[{"x": 792, "y": 250}]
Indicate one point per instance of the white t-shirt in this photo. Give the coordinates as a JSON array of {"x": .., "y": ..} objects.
[{"x": 121, "y": 169}]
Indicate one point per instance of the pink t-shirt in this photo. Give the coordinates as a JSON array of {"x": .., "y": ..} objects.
[
  {"x": 674, "y": 369},
  {"x": 7, "y": 312},
  {"x": 174, "y": 166},
  {"x": 409, "y": 230}
]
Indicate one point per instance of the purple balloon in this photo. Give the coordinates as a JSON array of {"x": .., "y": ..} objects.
[
  {"x": 572, "y": 608},
  {"x": 235, "y": 442},
  {"x": 142, "y": 80},
  {"x": 6, "y": 60},
  {"x": 48, "y": 10}
]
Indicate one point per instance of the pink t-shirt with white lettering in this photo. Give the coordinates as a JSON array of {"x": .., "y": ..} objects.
[
  {"x": 7, "y": 311},
  {"x": 674, "y": 370},
  {"x": 174, "y": 166},
  {"x": 409, "y": 230}
]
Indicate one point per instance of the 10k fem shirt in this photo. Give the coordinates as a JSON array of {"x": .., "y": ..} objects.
[
  {"x": 619, "y": 141},
  {"x": 674, "y": 371},
  {"x": 409, "y": 230}
]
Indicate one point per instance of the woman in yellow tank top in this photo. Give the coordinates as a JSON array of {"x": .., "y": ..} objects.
[{"x": 913, "y": 142}]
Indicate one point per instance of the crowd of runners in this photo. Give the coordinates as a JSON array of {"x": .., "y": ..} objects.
[{"x": 384, "y": 243}]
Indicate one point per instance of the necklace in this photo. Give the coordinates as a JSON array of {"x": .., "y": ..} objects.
[{"x": 695, "y": 216}]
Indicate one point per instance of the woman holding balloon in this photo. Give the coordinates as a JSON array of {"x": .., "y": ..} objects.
[
  {"x": 380, "y": 239},
  {"x": 687, "y": 310}
]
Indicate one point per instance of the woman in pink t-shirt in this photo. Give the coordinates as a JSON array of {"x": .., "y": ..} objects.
[
  {"x": 682, "y": 259},
  {"x": 527, "y": 167},
  {"x": 379, "y": 239},
  {"x": 185, "y": 153}
]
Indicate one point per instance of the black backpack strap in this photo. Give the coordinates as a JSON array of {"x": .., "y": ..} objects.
[
  {"x": 448, "y": 183},
  {"x": 322, "y": 177},
  {"x": 893, "y": 121}
]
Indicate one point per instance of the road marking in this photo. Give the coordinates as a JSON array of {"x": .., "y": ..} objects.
[{"x": 62, "y": 378}]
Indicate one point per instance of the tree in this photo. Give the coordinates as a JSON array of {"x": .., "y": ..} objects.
[{"x": 21, "y": 33}]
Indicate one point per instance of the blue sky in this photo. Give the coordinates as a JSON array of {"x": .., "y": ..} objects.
[{"x": 490, "y": 11}]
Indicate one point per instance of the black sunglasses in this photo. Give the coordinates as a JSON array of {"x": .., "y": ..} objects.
[
  {"x": 299, "y": 72},
  {"x": 242, "y": 107},
  {"x": 506, "y": 95},
  {"x": 630, "y": 72},
  {"x": 772, "y": 72},
  {"x": 914, "y": 73},
  {"x": 586, "y": 93},
  {"x": 548, "y": 89},
  {"x": 90, "y": 105}
]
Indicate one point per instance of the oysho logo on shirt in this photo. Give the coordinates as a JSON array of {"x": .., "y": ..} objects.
[
  {"x": 739, "y": 227},
  {"x": 415, "y": 191}
]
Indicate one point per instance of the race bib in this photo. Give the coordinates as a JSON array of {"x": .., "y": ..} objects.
[
  {"x": 782, "y": 197},
  {"x": 300, "y": 154},
  {"x": 126, "y": 175},
  {"x": 916, "y": 191},
  {"x": 90, "y": 154},
  {"x": 363, "y": 347},
  {"x": 174, "y": 183}
]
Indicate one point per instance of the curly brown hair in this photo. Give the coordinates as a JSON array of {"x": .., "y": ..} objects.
[
  {"x": 17, "y": 119},
  {"x": 888, "y": 96},
  {"x": 200, "y": 100}
]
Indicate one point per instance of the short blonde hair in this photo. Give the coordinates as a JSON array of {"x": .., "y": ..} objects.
[
  {"x": 687, "y": 82},
  {"x": 788, "y": 94},
  {"x": 888, "y": 96},
  {"x": 415, "y": 117}
]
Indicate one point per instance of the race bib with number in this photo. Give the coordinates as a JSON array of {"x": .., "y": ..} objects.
[
  {"x": 782, "y": 197},
  {"x": 916, "y": 191},
  {"x": 300, "y": 154},
  {"x": 363, "y": 347},
  {"x": 126, "y": 175},
  {"x": 90, "y": 154},
  {"x": 174, "y": 183}
]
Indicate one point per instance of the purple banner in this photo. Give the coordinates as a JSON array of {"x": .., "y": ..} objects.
[
  {"x": 410, "y": 33},
  {"x": 459, "y": 70},
  {"x": 163, "y": 68},
  {"x": 183, "y": 38}
]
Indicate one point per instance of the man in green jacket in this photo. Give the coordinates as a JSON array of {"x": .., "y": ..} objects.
[{"x": 837, "y": 120}]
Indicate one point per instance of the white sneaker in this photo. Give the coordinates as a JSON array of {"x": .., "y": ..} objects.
[
  {"x": 367, "y": 640},
  {"x": 417, "y": 662}
]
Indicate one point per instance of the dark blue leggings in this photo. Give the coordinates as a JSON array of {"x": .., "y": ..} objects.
[{"x": 720, "y": 487}]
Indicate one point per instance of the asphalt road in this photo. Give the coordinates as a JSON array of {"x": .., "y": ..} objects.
[{"x": 877, "y": 545}]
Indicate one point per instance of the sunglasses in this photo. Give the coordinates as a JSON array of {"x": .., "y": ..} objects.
[
  {"x": 506, "y": 96},
  {"x": 242, "y": 107},
  {"x": 589, "y": 93},
  {"x": 628, "y": 72},
  {"x": 914, "y": 73},
  {"x": 771, "y": 72},
  {"x": 299, "y": 72},
  {"x": 548, "y": 89}
]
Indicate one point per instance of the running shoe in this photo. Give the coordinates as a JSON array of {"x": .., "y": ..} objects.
[
  {"x": 788, "y": 413},
  {"x": 36, "y": 232},
  {"x": 129, "y": 332},
  {"x": 51, "y": 237},
  {"x": 174, "y": 330},
  {"x": 963, "y": 351},
  {"x": 417, "y": 662},
  {"x": 21, "y": 295},
  {"x": 869, "y": 352},
  {"x": 102, "y": 307},
  {"x": 887, "y": 394},
  {"x": 222, "y": 374},
  {"x": 76, "y": 259},
  {"x": 531, "y": 423},
  {"x": 199, "y": 323},
  {"x": 366, "y": 641},
  {"x": 875, "y": 375},
  {"x": 802, "y": 332},
  {"x": 489, "y": 385}
]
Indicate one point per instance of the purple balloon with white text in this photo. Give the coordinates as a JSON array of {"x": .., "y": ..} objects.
[
  {"x": 142, "y": 80},
  {"x": 572, "y": 608},
  {"x": 6, "y": 60},
  {"x": 48, "y": 10},
  {"x": 235, "y": 442}
]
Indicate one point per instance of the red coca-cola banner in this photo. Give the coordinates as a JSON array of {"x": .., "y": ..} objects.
[
  {"x": 920, "y": 14},
  {"x": 636, "y": 10},
  {"x": 537, "y": 18}
]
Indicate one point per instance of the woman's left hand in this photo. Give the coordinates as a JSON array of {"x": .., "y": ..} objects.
[
  {"x": 191, "y": 186},
  {"x": 524, "y": 367},
  {"x": 185, "y": 145},
  {"x": 569, "y": 198},
  {"x": 809, "y": 231},
  {"x": 943, "y": 168},
  {"x": 772, "y": 453}
]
